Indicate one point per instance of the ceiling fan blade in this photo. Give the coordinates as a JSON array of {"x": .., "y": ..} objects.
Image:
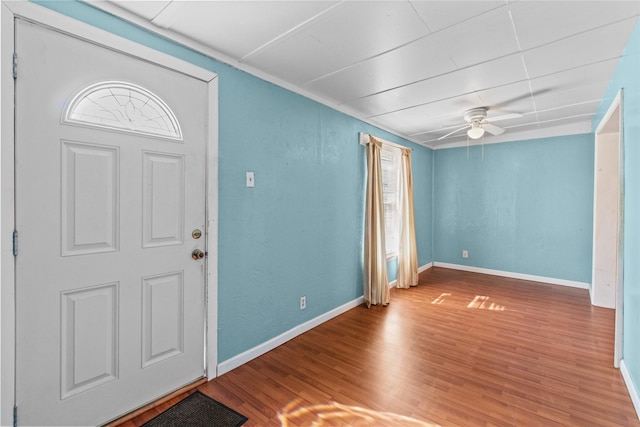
[
  {"x": 451, "y": 133},
  {"x": 521, "y": 97},
  {"x": 505, "y": 117},
  {"x": 493, "y": 129}
]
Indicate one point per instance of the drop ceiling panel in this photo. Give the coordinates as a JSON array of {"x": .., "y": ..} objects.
[
  {"x": 351, "y": 32},
  {"x": 449, "y": 113},
  {"x": 538, "y": 25},
  {"x": 480, "y": 39},
  {"x": 380, "y": 103},
  {"x": 407, "y": 122},
  {"x": 577, "y": 112},
  {"x": 145, "y": 9},
  {"x": 588, "y": 75},
  {"x": 386, "y": 71},
  {"x": 512, "y": 98},
  {"x": 577, "y": 95},
  {"x": 439, "y": 117},
  {"x": 238, "y": 28},
  {"x": 586, "y": 48},
  {"x": 441, "y": 14},
  {"x": 466, "y": 81}
]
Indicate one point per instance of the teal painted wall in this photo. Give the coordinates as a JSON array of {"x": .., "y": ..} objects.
[
  {"x": 300, "y": 230},
  {"x": 627, "y": 77},
  {"x": 525, "y": 208}
]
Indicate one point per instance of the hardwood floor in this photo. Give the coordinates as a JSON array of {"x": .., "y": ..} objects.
[{"x": 460, "y": 349}]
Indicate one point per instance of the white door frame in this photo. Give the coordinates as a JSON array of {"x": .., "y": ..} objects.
[
  {"x": 605, "y": 122},
  {"x": 46, "y": 17}
]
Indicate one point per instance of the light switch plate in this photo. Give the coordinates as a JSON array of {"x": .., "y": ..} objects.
[{"x": 251, "y": 182}]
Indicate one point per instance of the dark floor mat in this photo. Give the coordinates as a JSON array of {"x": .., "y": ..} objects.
[{"x": 198, "y": 410}]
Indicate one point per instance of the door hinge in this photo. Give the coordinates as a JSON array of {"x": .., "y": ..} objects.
[
  {"x": 15, "y": 65},
  {"x": 15, "y": 416},
  {"x": 15, "y": 242}
]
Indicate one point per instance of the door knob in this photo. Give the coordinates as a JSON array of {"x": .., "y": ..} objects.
[{"x": 197, "y": 254}]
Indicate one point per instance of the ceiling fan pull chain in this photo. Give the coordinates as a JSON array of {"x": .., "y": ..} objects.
[{"x": 467, "y": 147}]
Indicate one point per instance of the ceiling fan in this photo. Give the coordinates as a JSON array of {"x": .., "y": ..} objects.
[{"x": 477, "y": 123}]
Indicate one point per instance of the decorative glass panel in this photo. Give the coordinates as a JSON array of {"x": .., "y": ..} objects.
[{"x": 125, "y": 107}]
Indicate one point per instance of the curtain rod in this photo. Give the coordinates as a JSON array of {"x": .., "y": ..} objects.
[{"x": 364, "y": 140}]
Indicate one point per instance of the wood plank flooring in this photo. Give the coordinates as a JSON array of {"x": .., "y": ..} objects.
[{"x": 460, "y": 349}]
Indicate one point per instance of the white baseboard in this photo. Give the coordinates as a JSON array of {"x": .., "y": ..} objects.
[
  {"x": 252, "y": 353},
  {"x": 263, "y": 348},
  {"x": 425, "y": 267},
  {"x": 631, "y": 387},
  {"x": 512, "y": 275}
]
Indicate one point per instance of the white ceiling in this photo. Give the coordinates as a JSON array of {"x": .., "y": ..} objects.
[{"x": 414, "y": 67}]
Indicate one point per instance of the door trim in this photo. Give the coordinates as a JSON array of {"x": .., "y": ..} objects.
[
  {"x": 43, "y": 16},
  {"x": 616, "y": 105}
]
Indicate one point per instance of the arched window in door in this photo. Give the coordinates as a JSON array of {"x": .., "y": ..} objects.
[{"x": 125, "y": 107}]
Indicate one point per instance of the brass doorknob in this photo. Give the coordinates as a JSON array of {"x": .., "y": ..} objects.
[{"x": 197, "y": 254}]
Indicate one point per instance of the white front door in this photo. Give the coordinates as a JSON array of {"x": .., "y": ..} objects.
[{"x": 110, "y": 186}]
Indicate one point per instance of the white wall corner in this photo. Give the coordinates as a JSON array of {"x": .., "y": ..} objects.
[
  {"x": 633, "y": 392},
  {"x": 259, "y": 350}
]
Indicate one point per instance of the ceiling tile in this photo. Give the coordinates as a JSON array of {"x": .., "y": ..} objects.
[
  {"x": 538, "y": 25},
  {"x": 512, "y": 98},
  {"x": 567, "y": 97},
  {"x": 576, "y": 112},
  {"x": 576, "y": 77},
  {"x": 386, "y": 71},
  {"x": 351, "y": 32},
  {"x": 480, "y": 39},
  {"x": 145, "y": 9},
  {"x": 443, "y": 116},
  {"x": 573, "y": 86},
  {"x": 449, "y": 113},
  {"x": 381, "y": 103},
  {"x": 407, "y": 122},
  {"x": 586, "y": 48},
  {"x": 238, "y": 28},
  {"x": 491, "y": 74},
  {"x": 441, "y": 14}
]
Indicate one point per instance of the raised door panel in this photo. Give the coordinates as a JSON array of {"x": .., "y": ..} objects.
[
  {"x": 162, "y": 317},
  {"x": 89, "y": 338},
  {"x": 89, "y": 198},
  {"x": 162, "y": 199}
]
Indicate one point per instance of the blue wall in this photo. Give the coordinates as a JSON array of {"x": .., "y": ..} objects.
[
  {"x": 300, "y": 230},
  {"x": 525, "y": 208},
  {"x": 627, "y": 77}
]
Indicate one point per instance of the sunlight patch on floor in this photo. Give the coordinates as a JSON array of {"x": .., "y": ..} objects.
[
  {"x": 441, "y": 299},
  {"x": 480, "y": 302},
  {"x": 336, "y": 414}
]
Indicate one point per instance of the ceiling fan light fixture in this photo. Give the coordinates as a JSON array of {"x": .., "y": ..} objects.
[{"x": 475, "y": 131}]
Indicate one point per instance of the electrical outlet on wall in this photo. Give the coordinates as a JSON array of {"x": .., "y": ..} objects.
[
  {"x": 303, "y": 302},
  {"x": 465, "y": 253}
]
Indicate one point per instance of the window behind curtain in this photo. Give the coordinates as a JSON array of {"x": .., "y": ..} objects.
[{"x": 391, "y": 163}]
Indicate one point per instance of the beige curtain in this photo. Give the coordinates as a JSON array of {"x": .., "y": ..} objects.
[
  {"x": 376, "y": 282},
  {"x": 408, "y": 251}
]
